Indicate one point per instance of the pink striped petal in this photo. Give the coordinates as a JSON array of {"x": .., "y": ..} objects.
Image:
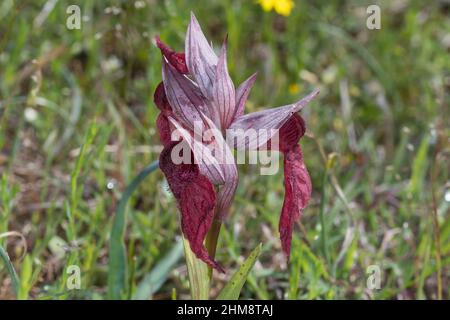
[
  {"x": 183, "y": 95},
  {"x": 242, "y": 93},
  {"x": 200, "y": 57},
  {"x": 266, "y": 123},
  {"x": 207, "y": 162},
  {"x": 223, "y": 91},
  {"x": 229, "y": 169}
]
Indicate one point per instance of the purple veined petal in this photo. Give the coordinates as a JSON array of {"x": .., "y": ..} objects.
[
  {"x": 298, "y": 189},
  {"x": 200, "y": 57},
  {"x": 242, "y": 93},
  {"x": 208, "y": 164},
  {"x": 183, "y": 95},
  {"x": 197, "y": 36},
  {"x": 226, "y": 192},
  {"x": 264, "y": 123},
  {"x": 196, "y": 198},
  {"x": 223, "y": 91},
  {"x": 222, "y": 150}
]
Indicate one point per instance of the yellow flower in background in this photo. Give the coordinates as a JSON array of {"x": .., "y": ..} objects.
[
  {"x": 294, "y": 88},
  {"x": 282, "y": 7},
  {"x": 267, "y": 5}
]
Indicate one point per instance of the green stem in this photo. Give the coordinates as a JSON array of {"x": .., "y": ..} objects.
[
  {"x": 322, "y": 217},
  {"x": 211, "y": 241},
  {"x": 199, "y": 273}
]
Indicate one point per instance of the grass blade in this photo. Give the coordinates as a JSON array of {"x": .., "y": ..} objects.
[
  {"x": 156, "y": 278},
  {"x": 233, "y": 288},
  {"x": 117, "y": 273},
  {"x": 12, "y": 272}
]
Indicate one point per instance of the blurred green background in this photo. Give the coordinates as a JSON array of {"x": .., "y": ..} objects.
[{"x": 77, "y": 123}]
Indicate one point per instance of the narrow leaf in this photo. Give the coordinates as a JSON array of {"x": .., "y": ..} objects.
[
  {"x": 117, "y": 272},
  {"x": 10, "y": 268},
  {"x": 159, "y": 274},
  {"x": 26, "y": 274},
  {"x": 233, "y": 288}
]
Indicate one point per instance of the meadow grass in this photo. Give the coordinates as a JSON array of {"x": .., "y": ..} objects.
[{"x": 77, "y": 124}]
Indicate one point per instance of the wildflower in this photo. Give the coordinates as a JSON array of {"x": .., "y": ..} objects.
[
  {"x": 282, "y": 7},
  {"x": 294, "y": 88},
  {"x": 267, "y": 5},
  {"x": 197, "y": 88}
]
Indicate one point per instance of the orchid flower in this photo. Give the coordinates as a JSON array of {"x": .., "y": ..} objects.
[{"x": 197, "y": 89}]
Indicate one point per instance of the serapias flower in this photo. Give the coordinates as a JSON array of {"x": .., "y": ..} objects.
[
  {"x": 197, "y": 90},
  {"x": 282, "y": 7}
]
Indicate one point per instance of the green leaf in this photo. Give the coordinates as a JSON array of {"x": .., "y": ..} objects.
[
  {"x": 419, "y": 168},
  {"x": 156, "y": 278},
  {"x": 295, "y": 268},
  {"x": 117, "y": 273},
  {"x": 25, "y": 278},
  {"x": 10, "y": 268},
  {"x": 198, "y": 274},
  {"x": 233, "y": 288}
]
